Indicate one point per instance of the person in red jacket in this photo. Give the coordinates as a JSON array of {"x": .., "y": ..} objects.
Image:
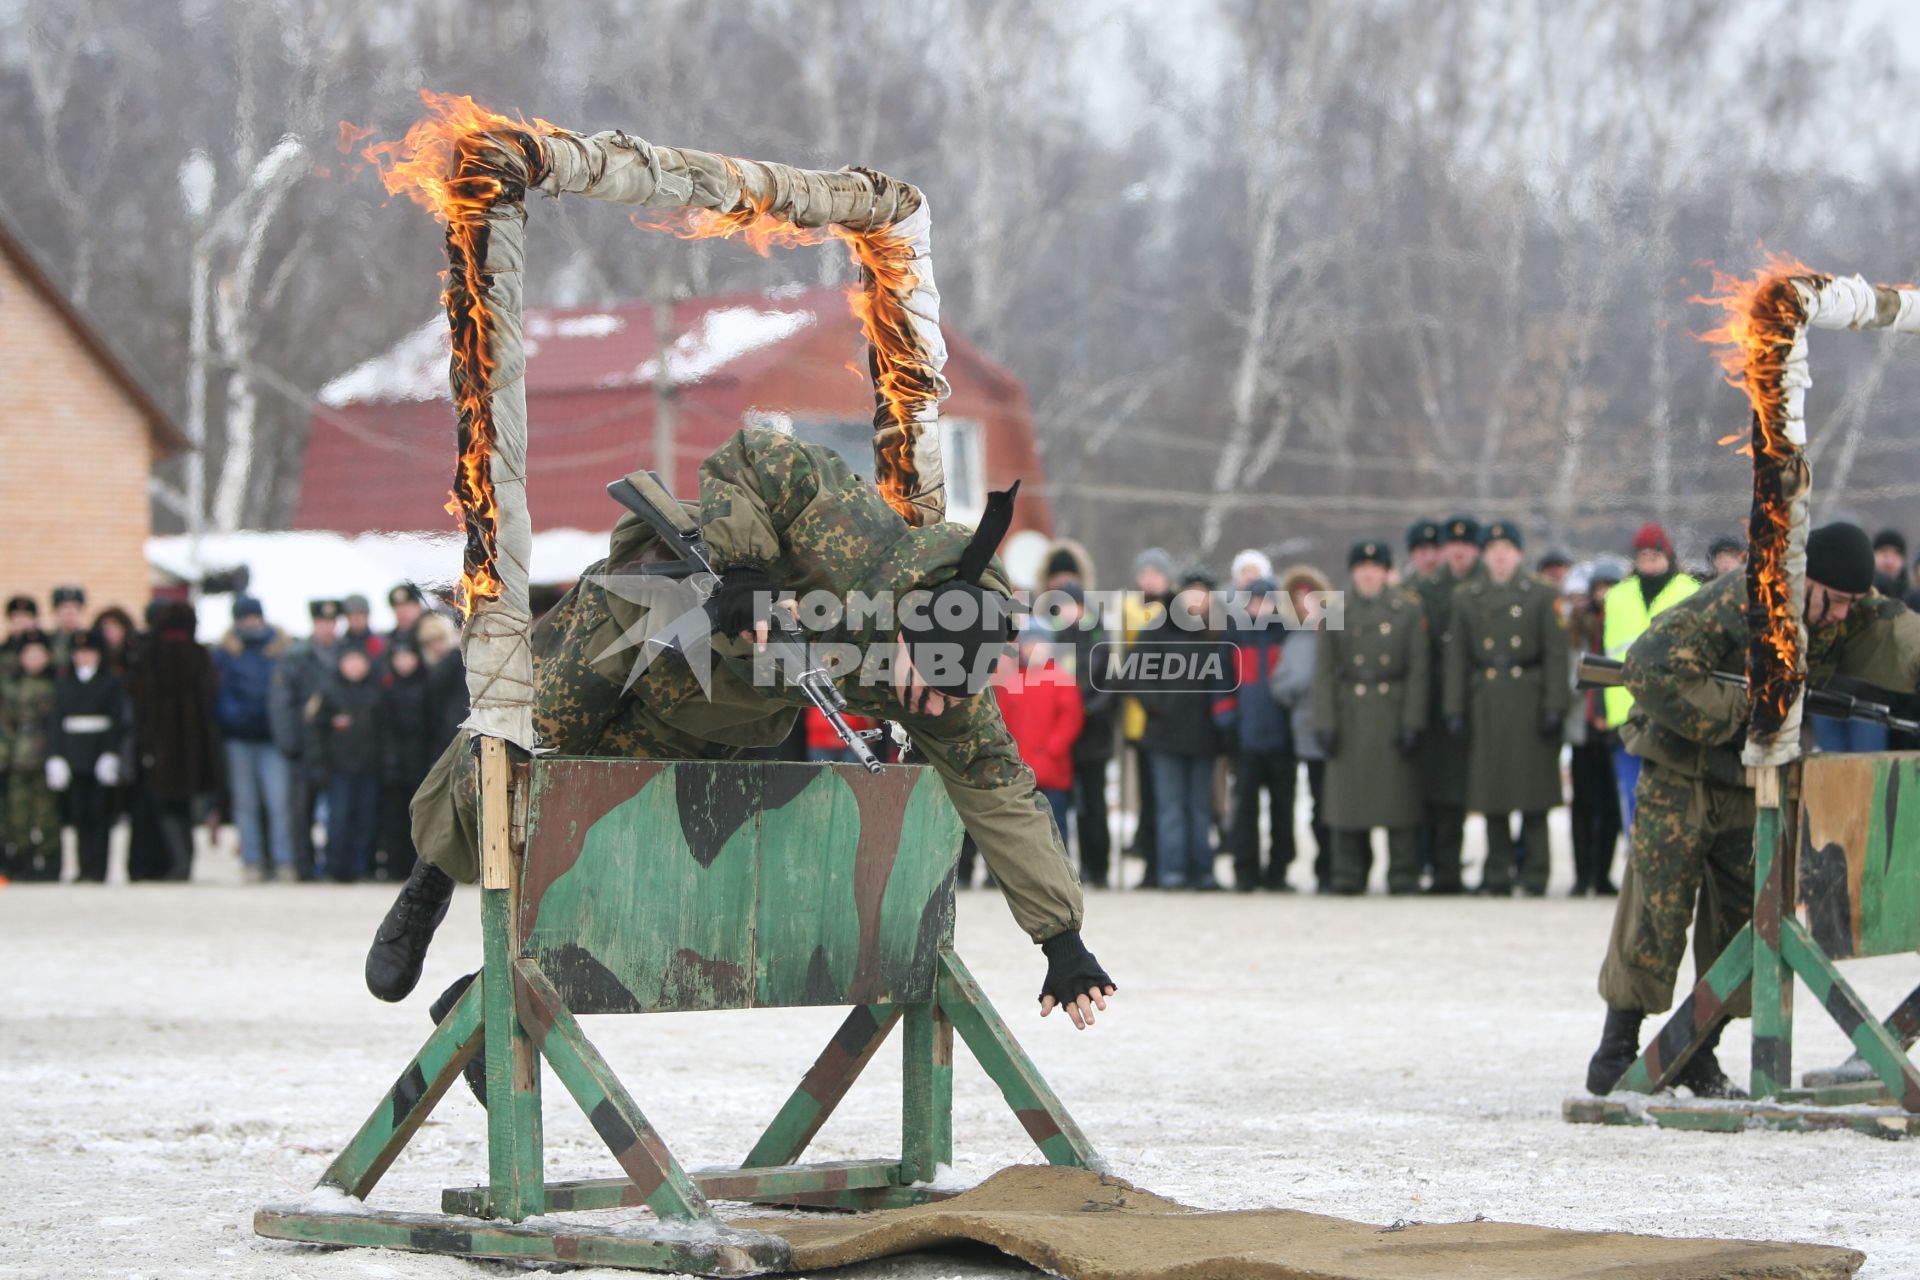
[
  {"x": 1041, "y": 706},
  {"x": 823, "y": 740}
]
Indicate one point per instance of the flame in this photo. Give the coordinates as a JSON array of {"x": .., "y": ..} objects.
[
  {"x": 903, "y": 379},
  {"x": 444, "y": 164},
  {"x": 1761, "y": 319},
  {"x": 351, "y": 136}
]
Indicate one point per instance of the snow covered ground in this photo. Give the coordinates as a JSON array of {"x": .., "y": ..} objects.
[{"x": 172, "y": 1056}]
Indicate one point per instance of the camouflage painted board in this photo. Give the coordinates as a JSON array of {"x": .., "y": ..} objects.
[
  {"x": 624, "y": 886},
  {"x": 661, "y": 886},
  {"x": 1860, "y": 860}
]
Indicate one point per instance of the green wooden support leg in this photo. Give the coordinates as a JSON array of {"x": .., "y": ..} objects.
[
  {"x": 1903, "y": 1024},
  {"x": 412, "y": 1098},
  {"x": 514, "y": 1138},
  {"x": 1698, "y": 1016},
  {"x": 824, "y": 1085},
  {"x": 1039, "y": 1111},
  {"x": 926, "y": 1111},
  {"x": 1772, "y": 977},
  {"x": 1881, "y": 1050},
  {"x": 664, "y": 1186}
]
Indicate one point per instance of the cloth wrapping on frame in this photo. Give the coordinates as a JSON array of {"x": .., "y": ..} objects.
[
  {"x": 1783, "y": 745},
  {"x": 496, "y": 643},
  {"x": 1836, "y": 302},
  {"x": 890, "y": 218},
  {"x": 1849, "y": 302}
]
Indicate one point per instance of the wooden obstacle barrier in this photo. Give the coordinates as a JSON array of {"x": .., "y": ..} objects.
[
  {"x": 628, "y": 887},
  {"x": 1836, "y": 848}
]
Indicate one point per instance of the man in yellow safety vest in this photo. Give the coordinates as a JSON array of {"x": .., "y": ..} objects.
[{"x": 1631, "y": 607}]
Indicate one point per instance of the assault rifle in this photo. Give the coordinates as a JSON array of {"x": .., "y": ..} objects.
[
  {"x": 1595, "y": 671},
  {"x": 643, "y": 494}
]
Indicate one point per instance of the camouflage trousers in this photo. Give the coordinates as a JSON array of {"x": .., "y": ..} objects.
[
  {"x": 1689, "y": 860},
  {"x": 32, "y": 826}
]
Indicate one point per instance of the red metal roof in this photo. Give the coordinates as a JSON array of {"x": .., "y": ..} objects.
[{"x": 380, "y": 451}]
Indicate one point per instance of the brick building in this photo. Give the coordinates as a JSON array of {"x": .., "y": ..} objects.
[{"x": 79, "y": 438}]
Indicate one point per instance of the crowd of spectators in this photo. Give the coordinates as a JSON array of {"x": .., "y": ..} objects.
[
  {"x": 1212, "y": 773},
  {"x": 311, "y": 748}
]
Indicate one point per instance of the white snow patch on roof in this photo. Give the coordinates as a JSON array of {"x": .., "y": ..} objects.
[
  {"x": 414, "y": 368},
  {"x": 724, "y": 335},
  {"x": 599, "y": 325}
]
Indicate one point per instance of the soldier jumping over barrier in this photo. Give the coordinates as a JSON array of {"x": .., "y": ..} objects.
[
  {"x": 1693, "y": 831},
  {"x": 778, "y": 514}
]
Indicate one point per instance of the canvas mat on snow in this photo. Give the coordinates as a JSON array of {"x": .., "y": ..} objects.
[{"x": 1088, "y": 1226}]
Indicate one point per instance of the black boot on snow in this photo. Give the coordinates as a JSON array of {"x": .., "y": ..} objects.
[
  {"x": 476, "y": 1069},
  {"x": 1703, "y": 1075},
  {"x": 399, "y": 947},
  {"x": 1619, "y": 1046}
]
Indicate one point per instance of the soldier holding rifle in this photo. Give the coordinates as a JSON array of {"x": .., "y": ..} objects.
[{"x": 1691, "y": 851}]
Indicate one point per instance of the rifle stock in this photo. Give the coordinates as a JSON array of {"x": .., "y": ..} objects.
[{"x": 1597, "y": 671}]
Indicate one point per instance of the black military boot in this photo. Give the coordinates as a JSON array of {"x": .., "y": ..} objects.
[
  {"x": 399, "y": 947},
  {"x": 1619, "y": 1046},
  {"x": 1703, "y": 1075},
  {"x": 476, "y": 1069}
]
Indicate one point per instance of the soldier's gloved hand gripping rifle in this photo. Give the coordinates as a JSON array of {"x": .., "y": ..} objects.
[{"x": 643, "y": 494}]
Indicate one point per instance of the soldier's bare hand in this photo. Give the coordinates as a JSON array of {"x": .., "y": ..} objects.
[{"x": 1081, "y": 1010}]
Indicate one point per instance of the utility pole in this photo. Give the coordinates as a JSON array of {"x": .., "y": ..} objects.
[{"x": 664, "y": 447}]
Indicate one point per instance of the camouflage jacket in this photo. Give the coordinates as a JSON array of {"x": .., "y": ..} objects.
[
  {"x": 26, "y": 714},
  {"x": 1686, "y": 720},
  {"x": 797, "y": 510}
]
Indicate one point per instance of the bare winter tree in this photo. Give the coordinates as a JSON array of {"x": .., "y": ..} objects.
[{"x": 1277, "y": 274}]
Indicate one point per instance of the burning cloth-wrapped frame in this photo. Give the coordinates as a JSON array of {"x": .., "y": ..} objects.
[
  {"x": 1769, "y": 333},
  {"x": 493, "y": 165}
]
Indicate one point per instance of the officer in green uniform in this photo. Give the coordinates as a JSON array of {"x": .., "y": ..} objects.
[
  {"x": 32, "y": 835},
  {"x": 1444, "y": 769},
  {"x": 1370, "y": 707},
  {"x": 1693, "y": 829},
  {"x": 779, "y": 515},
  {"x": 69, "y": 624},
  {"x": 1505, "y": 699}
]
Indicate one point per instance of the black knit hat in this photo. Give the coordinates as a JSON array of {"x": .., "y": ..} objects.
[
  {"x": 1370, "y": 551},
  {"x": 1554, "y": 556},
  {"x": 1891, "y": 538},
  {"x": 1196, "y": 575},
  {"x": 1503, "y": 531},
  {"x": 1461, "y": 528},
  {"x": 1840, "y": 557},
  {"x": 1063, "y": 561},
  {"x": 1423, "y": 533},
  {"x": 1728, "y": 544}
]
